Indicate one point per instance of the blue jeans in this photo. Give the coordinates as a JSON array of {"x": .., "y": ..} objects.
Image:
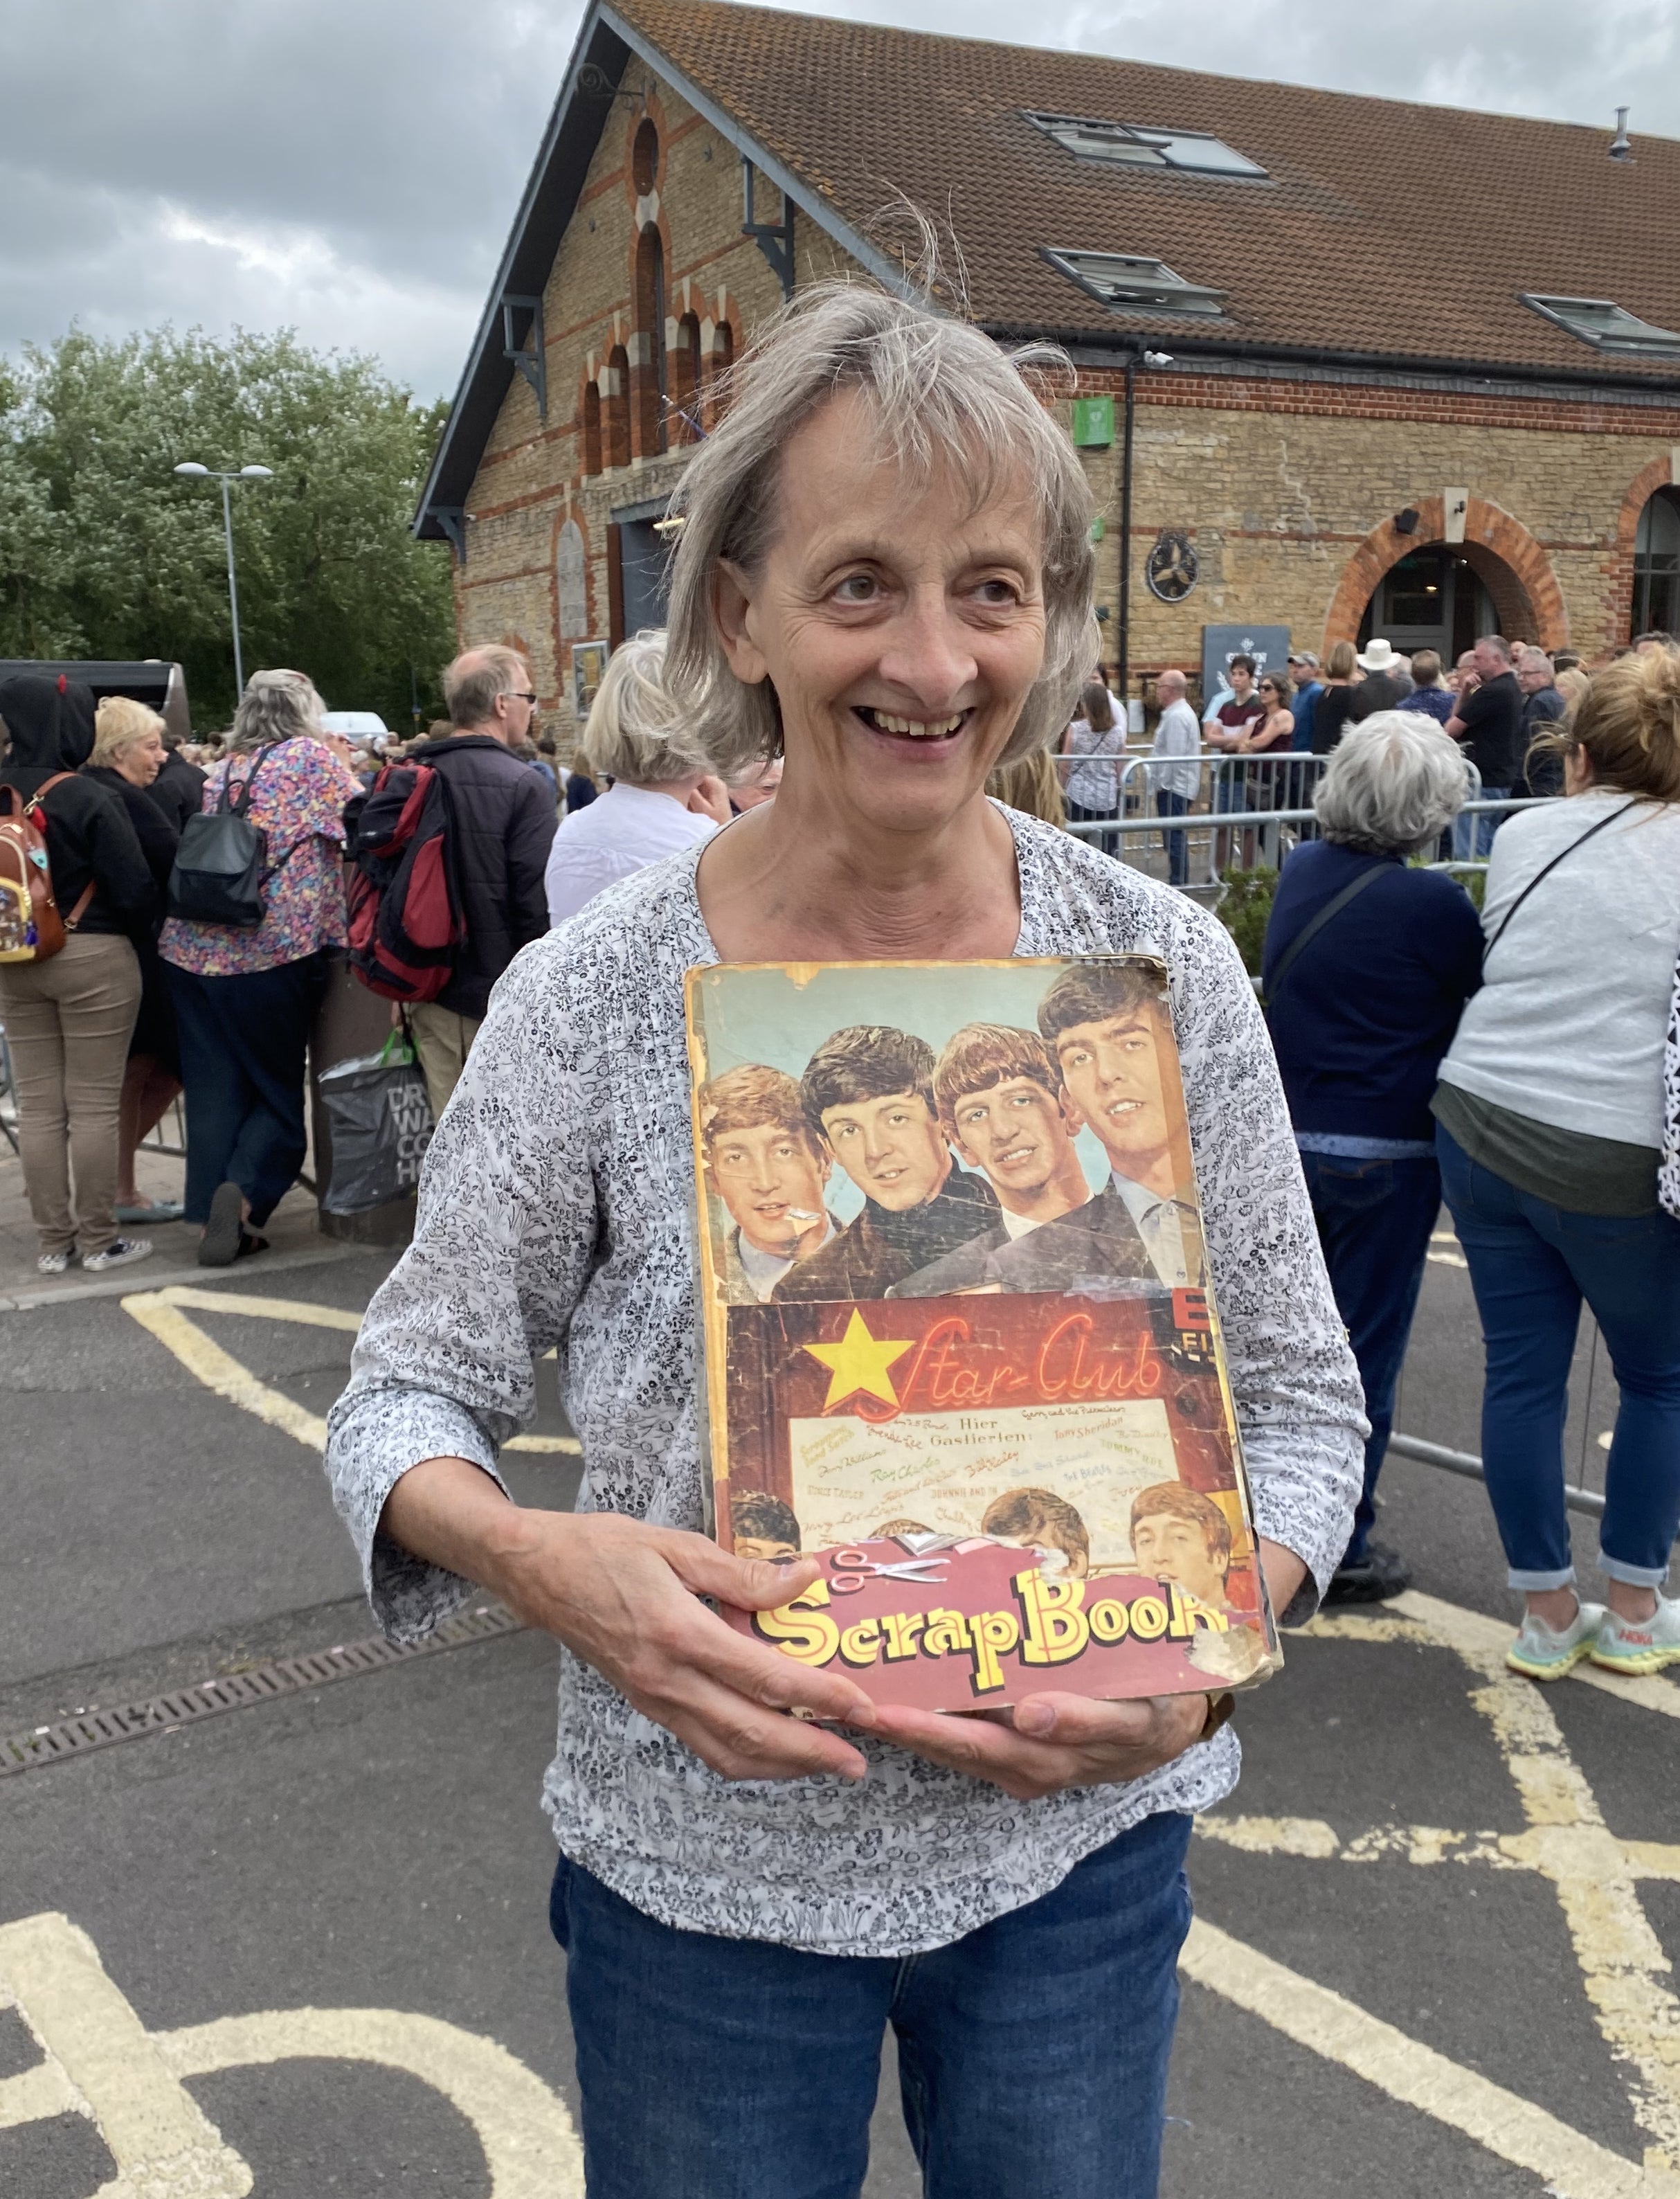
[
  {"x": 1032, "y": 2053},
  {"x": 1178, "y": 843},
  {"x": 1472, "y": 836},
  {"x": 1374, "y": 1221},
  {"x": 243, "y": 1044},
  {"x": 1530, "y": 1265},
  {"x": 1079, "y": 814}
]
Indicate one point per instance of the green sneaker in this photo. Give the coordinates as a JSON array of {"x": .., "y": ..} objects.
[
  {"x": 1639, "y": 1645},
  {"x": 1544, "y": 1654}
]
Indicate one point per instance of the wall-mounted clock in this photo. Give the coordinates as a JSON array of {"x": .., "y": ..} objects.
[{"x": 1171, "y": 568}]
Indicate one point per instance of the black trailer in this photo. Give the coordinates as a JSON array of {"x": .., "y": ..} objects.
[{"x": 153, "y": 680}]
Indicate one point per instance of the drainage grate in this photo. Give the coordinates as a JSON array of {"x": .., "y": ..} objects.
[{"x": 239, "y": 1691}]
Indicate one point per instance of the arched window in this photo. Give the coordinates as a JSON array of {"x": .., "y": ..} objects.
[
  {"x": 645, "y": 159},
  {"x": 592, "y": 427},
  {"x": 685, "y": 408},
  {"x": 649, "y": 389},
  {"x": 618, "y": 406},
  {"x": 722, "y": 358},
  {"x": 571, "y": 579},
  {"x": 1656, "y": 566}
]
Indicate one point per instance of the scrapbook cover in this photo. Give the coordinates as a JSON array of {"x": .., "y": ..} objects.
[{"x": 960, "y": 1340}]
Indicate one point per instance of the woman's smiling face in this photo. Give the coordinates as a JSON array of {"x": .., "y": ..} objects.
[{"x": 901, "y": 629}]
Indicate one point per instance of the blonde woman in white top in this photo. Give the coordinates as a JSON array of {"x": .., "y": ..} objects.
[{"x": 1550, "y": 1112}]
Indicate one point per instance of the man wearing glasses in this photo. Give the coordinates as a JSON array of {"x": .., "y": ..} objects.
[{"x": 502, "y": 821}]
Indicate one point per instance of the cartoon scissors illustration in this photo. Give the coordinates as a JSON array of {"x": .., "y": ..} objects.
[{"x": 851, "y": 1568}]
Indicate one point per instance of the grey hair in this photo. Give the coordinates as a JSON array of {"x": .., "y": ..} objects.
[
  {"x": 491, "y": 669},
  {"x": 940, "y": 392},
  {"x": 1537, "y": 659},
  {"x": 1392, "y": 784},
  {"x": 275, "y": 706},
  {"x": 637, "y": 730}
]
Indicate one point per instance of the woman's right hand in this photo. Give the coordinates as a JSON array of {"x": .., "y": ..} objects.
[{"x": 624, "y": 1596}]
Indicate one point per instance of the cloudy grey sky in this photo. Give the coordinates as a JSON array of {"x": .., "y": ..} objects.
[{"x": 350, "y": 167}]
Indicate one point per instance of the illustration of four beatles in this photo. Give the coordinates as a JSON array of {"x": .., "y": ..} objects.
[{"x": 972, "y": 1182}]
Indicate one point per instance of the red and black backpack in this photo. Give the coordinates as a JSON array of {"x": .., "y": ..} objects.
[{"x": 407, "y": 922}]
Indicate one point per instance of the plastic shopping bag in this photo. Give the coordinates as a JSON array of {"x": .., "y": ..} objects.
[{"x": 380, "y": 1124}]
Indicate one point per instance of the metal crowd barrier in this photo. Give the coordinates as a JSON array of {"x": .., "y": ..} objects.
[{"x": 1248, "y": 813}]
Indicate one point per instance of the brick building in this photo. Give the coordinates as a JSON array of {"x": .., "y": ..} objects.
[{"x": 1358, "y": 365}]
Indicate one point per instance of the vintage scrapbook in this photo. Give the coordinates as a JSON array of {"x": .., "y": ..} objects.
[{"x": 960, "y": 1343}]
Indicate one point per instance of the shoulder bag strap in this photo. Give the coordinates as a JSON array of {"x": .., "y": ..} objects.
[
  {"x": 1310, "y": 931},
  {"x": 83, "y": 899},
  {"x": 239, "y": 806},
  {"x": 1545, "y": 871}
]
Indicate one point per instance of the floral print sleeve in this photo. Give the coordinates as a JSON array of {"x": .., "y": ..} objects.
[{"x": 556, "y": 1211}]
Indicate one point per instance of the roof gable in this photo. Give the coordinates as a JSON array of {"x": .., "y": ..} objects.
[{"x": 1381, "y": 231}]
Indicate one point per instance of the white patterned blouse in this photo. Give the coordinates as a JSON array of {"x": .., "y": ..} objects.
[{"x": 556, "y": 1210}]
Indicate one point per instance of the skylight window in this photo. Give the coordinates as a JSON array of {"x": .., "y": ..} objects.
[
  {"x": 1606, "y": 326},
  {"x": 1128, "y": 283},
  {"x": 1133, "y": 145}
]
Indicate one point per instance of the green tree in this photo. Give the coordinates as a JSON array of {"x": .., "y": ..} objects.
[{"x": 105, "y": 552}]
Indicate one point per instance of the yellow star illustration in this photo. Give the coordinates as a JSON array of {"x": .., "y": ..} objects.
[{"x": 858, "y": 1361}]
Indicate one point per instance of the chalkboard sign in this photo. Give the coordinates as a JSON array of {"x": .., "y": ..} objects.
[{"x": 1268, "y": 645}]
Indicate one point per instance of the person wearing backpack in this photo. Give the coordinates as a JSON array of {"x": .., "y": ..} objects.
[
  {"x": 502, "y": 823},
  {"x": 68, "y": 1012},
  {"x": 1368, "y": 965},
  {"x": 257, "y": 908},
  {"x": 1551, "y": 1125}
]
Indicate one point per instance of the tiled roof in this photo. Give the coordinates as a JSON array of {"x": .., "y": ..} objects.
[{"x": 1387, "y": 229}]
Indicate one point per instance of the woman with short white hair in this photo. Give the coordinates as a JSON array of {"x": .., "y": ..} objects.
[
  {"x": 1368, "y": 964},
  {"x": 664, "y": 793},
  {"x": 885, "y": 577}
]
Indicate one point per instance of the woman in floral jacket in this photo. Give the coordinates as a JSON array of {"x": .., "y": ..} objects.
[{"x": 245, "y": 1001}]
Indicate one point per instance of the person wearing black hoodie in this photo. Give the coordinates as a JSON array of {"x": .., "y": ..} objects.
[{"x": 68, "y": 1019}]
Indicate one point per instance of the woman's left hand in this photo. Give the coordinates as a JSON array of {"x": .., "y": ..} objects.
[{"x": 1057, "y": 1741}]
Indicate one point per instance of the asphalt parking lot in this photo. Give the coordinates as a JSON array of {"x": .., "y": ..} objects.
[{"x": 303, "y": 1943}]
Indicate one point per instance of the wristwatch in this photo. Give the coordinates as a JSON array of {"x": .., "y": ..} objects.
[{"x": 1219, "y": 1712}]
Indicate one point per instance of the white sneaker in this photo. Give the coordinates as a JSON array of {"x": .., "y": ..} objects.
[
  {"x": 1543, "y": 1654},
  {"x": 56, "y": 1264},
  {"x": 1639, "y": 1645},
  {"x": 121, "y": 1252}
]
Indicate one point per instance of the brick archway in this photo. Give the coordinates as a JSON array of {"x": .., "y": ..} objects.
[
  {"x": 1659, "y": 474},
  {"x": 1516, "y": 570}
]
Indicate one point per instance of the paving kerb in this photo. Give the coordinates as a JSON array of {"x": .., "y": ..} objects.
[{"x": 144, "y": 1277}]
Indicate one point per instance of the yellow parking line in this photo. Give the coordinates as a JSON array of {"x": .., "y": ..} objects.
[
  {"x": 160, "y": 1312},
  {"x": 221, "y": 1373},
  {"x": 1340, "y": 2031},
  {"x": 293, "y": 1310},
  {"x": 1415, "y": 1616}
]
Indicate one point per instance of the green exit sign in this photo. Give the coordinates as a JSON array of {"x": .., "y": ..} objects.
[{"x": 1092, "y": 422}]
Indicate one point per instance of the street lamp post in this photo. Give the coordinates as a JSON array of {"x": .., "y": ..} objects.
[{"x": 245, "y": 473}]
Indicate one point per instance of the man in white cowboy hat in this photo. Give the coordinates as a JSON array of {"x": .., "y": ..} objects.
[{"x": 1383, "y": 685}]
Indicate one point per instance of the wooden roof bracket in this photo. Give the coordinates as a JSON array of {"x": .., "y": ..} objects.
[
  {"x": 529, "y": 358},
  {"x": 774, "y": 239}
]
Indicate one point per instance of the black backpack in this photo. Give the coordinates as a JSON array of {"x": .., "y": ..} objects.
[{"x": 221, "y": 866}]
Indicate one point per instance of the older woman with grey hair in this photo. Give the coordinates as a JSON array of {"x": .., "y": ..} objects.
[
  {"x": 246, "y": 997},
  {"x": 885, "y": 577},
  {"x": 1368, "y": 964},
  {"x": 663, "y": 793}
]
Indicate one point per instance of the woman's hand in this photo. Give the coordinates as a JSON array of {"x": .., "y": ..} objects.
[
  {"x": 625, "y": 1597},
  {"x": 1054, "y": 1741}
]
